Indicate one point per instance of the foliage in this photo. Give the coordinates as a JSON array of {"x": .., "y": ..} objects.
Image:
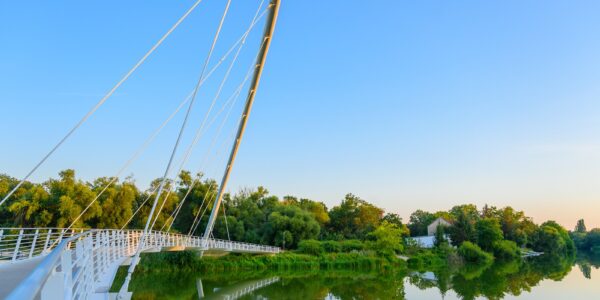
[
  {"x": 506, "y": 249},
  {"x": 312, "y": 247},
  {"x": 254, "y": 216},
  {"x": 419, "y": 220},
  {"x": 387, "y": 239},
  {"x": 440, "y": 238},
  {"x": 553, "y": 238},
  {"x": 473, "y": 254},
  {"x": 354, "y": 218},
  {"x": 592, "y": 239},
  {"x": 580, "y": 227},
  {"x": 190, "y": 261},
  {"x": 463, "y": 228},
  {"x": 488, "y": 233}
]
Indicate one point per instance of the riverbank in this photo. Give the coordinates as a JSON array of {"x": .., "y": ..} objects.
[{"x": 190, "y": 261}]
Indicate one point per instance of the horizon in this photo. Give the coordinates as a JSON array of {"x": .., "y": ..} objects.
[{"x": 418, "y": 106}]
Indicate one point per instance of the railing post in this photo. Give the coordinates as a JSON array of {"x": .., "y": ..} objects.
[
  {"x": 48, "y": 236},
  {"x": 17, "y": 245},
  {"x": 67, "y": 270},
  {"x": 60, "y": 236},
  {"x": 88, "y": 244},
  {"x": 106, "y": 240},
  {"x": 35, "y": 237},
  {"x": 121, "y": 240}
]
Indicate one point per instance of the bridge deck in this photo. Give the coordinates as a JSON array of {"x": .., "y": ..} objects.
[{"x": 11, "y": 274}]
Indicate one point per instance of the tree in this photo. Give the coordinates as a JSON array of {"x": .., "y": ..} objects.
[
  {"x": 317, "y": 209},
  {"x": 553, "y": 238},
  {"x": 354, "y": 217},
  {"x": 387, "y": 239},
  {"x": 68, "y": 197},
  {"x": 463, "y": 228},
  {"x": 440, "y": 238},
  {"x": 514, "y": 225},
  {"x": 299, "y": 224},
  {"x": 488, "y": 232},
  {"x": 580, "y": 227},
  {"x": 116, "y": 203},
  {"x": 419, "y": 220},
  {"x": 591, "y": 240}
]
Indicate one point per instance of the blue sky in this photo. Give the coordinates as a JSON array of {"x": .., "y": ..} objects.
[{"x": 408, "y": 104}]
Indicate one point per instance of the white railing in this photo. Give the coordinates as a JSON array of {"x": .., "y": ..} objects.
[
  {"x": 23, "y": 243},
  {"x": 80, "y": 263}
]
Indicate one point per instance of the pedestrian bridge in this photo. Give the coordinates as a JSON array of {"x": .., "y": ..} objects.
[
  {"x": 56, "y": 263},
  {"x": 59, "y": 263}
]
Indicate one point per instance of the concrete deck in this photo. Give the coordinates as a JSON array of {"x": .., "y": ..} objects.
[{"x": 11, "y": 274}]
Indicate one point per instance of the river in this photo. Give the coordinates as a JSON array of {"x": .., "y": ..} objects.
[{"x": 538, "y": 278}]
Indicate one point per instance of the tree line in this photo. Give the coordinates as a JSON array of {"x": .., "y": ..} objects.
[
  {"x": 586, "y": 241},
  {"x": 501, "y": 231},
  {"x": 253, "y": 215}
]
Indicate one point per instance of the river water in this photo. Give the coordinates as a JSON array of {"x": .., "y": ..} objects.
[{"x": 540, "y": 278}]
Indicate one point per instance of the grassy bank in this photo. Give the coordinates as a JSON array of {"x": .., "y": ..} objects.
[{"x": 189, "y": 261}]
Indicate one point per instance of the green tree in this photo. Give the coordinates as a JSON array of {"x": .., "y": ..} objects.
[
  {"x": 592, "y": 240},
  {"x": 440, "y": 238},
  {"x": 387, "y": 239},
  {"x": 299, "y": 224},
  {"x": 116, "y": 203},
  {"x": 463, "y": 228},
  {"x": 418, "y": 222},
  {"x": 354, "y": 217},
  {"x": 580, "y": 227},
  {"x": 488, "y": 232},
  {"x": 553, "y": 238},
  {"x": 68, "y": 197}
]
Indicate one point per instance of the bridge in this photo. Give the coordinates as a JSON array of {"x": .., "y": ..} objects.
[
  {"x": 79, "y": 264},
  {"x": 70, "y": 263}
]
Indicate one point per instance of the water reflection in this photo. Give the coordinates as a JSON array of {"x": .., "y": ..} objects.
[
  {"x": 536, "y": 278},
  {"x": 234, "y": 291}
]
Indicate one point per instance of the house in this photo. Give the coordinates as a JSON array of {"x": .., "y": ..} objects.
[
  {"x": 428, "y": 241},
  {"x": 432, "y": 228}
]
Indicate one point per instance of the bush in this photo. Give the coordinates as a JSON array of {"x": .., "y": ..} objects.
[
  {"x": 352, "y": 245},
  {"x": 331, "y": 246},
  {"x": 312, "y": 247},
  {"x": 472, "y": 253},
  {"x": 506, "y": 249}
]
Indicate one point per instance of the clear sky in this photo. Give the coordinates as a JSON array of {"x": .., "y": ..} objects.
[{"x": 407, "y": 104}]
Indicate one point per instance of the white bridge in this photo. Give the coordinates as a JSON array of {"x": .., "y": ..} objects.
[
  {"x": 81, "y": 264},
  {"x": 56, "y": 263}
]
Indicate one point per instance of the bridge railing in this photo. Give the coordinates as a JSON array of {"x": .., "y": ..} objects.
[
  {"x": 78, "y": 262},
  {"x": 24, "y": 243}
]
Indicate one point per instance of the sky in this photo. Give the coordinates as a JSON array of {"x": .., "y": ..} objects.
[{"x": 407, "y": 104}]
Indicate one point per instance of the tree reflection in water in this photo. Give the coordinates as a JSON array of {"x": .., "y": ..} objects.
[{"x": 493, "y": 281}]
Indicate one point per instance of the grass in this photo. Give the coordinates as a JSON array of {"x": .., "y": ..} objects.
[{"x": 189, "y": 261}]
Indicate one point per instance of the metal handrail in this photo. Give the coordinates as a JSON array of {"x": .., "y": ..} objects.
[{"x": 31, "y": 285}]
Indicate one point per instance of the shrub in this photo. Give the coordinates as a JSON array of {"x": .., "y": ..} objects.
[
  {"x": 331, "y": 246},
  {"x": 506, "y": 249},
  {"x": 312, "y": 247},
  {"x": 472, "y": 253},
  {"x": 352, "y": 245}
]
